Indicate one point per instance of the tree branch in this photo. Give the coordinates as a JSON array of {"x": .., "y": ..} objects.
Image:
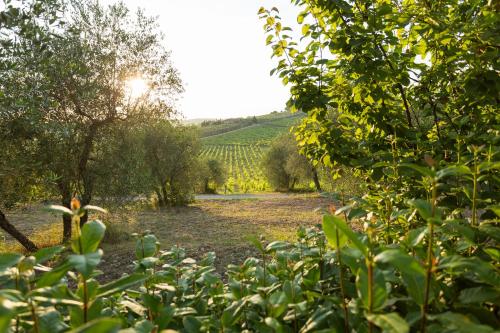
[{"x": 19, "y": 236}]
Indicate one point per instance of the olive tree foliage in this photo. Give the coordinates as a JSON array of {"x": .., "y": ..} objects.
[
  {"x": 402, "y": 77},
  {"x": 71, "y": 96},
  {"x": 120, "y": 170},
  {"x": 285, "y": 167},
  {"x": 171, "y": 158},
  {"x": 212, "y": 175},
  {"x": 19, "y": 177}
]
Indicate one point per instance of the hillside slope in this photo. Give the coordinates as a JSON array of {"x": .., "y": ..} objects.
[{"x": 261, "y": 132}]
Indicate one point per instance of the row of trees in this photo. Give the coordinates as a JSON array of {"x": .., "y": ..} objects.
[{"x": 71, "y": 124}]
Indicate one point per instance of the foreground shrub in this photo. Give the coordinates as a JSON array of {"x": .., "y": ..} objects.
[{"x": 441, "y": 275}]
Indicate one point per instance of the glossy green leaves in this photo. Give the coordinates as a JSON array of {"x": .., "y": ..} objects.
[
  {"x": 335, "y": 237},
  {"x": 331, "y": 222}
]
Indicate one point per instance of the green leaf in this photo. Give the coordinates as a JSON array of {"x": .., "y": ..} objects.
[
  {"x": 56, "y": 301},
  {"x": 479, "y": 295},
  {"x": 486, "y": 166},
  {"x": 402, "y": 261},
  {"x": 420, "y": 169},
  {"x": 47, "y": 253},
  {"x": 257, "y": 243},
  {"x": 369, "y": 99},
  {"x": 384, "y": 9},
  {"x": 7, "y": 260},
  {"x": 331, "y": 232},
  {"x": 412, "y": 272},
  {"x": 53, "y": 276},
  {"x": 453, "y": 170},
  {"x": 416, "y": 236},
  {"x": 305, "y": 29},
  {"x": 52, "y": 322},
  {"x": 95, "y": 208},
  {"x": 191, "y": 324},
  {"x": 457, "y": 322},
  {"x": 494, "y": 253},
  {"x": 85, "y": 263},
  {"x": 7, "y": 312},
  {"x": 102, "y": 325},
  {"x": 27, "y": 264},
  {"x": 316, "y": 320},
  {"x": 274, "y": 324},
  {"x": 423, "y": 207},
  {"x": 119, "y": 285},
  {"x": 133, "y": 306},
  {"x": 92, "y": 234},
  {"x": 389, "y": 322},
  {"x": 483, "y": 271},
  {"x": 143, "y": 326},
  {"x": 146, "y": 246},
  {"x": 347, "y": 231},
  {"x": 277, "y": 245},
  {"x": 495, "y": 209},
  {"x": 232, "y": 313},
  {"x": 59, "y": 209},
  {"x": 378, "y": 288}
]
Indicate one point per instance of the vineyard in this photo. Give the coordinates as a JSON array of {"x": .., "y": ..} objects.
[
  {"x": 241, "y": 150},
  {"x": 242, "y": 162},
  {"x": 261, "y": 133}
]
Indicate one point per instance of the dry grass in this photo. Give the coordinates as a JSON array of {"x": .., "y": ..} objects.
[{"x": 220, "y": 226}]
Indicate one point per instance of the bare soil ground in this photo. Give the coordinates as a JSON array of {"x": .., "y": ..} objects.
[{"x": 222, "y": 226}]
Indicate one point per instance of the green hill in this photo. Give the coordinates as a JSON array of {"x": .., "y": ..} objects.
[{"x": 261, "y": 131}]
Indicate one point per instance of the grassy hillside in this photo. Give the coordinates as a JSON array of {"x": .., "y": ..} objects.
[
  {"x": 240, "y": 145},
  {"x": 260, "y": 133}
]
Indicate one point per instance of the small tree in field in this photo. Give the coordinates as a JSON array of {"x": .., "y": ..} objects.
[
  {"x": 284, "y": 166},
  {"x": 171, "y": 157},
  {"x": 213, "y": 175}
]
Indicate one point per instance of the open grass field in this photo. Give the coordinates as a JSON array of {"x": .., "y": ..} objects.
[{"x": 223, "y": 226}]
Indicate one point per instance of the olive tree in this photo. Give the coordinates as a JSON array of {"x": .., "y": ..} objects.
[
  {"x": 284, "y": 166},
  {"x": 21, "y": 21},
  {"x": 171, "y": 156},
  {"x": 212, "y": 175},
  {"x": 82, "y": 89}
]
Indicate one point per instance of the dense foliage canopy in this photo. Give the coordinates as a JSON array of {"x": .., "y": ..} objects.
[{"x": 404, "y": 94}]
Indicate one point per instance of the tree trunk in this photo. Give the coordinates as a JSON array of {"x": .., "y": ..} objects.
[
  {"x": 316, "y": 180},
  {"x": 85, "y": 176},
  {"x": 162, "y": 196},
  {"x": 65, "y": 192},
  {"x": 86, "y": 197},
  {"x": 19, "y": 236}
]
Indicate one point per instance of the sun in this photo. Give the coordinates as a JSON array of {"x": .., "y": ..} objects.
[{"x": 136, "y": 87}]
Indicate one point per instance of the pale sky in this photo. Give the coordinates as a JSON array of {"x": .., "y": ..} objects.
[{"x": 219, "y": 49}]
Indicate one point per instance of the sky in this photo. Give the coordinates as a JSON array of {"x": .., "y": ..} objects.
[{"x": 219, "y": 49}]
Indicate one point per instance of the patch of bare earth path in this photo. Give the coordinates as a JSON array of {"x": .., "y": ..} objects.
[{"x": 222, "y": 226}]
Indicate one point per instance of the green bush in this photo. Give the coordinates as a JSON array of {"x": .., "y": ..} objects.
[
  {"x": 424, "y": 268},
  {"x": 283, "y": 166}
]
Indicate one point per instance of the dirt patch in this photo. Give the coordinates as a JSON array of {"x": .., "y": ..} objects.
[{"x": 221, "y": 226}]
